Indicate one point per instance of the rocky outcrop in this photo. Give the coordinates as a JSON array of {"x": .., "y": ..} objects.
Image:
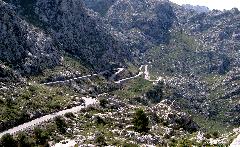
[
  {"x": 23, "y": 46},
  {"x": 173, "y": 118},
  {"x": 198, "y": 9},
  {"x": 142, "y": 23}
]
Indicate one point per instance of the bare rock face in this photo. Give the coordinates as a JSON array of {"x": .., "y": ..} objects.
[{"x": 23, "y": 46}]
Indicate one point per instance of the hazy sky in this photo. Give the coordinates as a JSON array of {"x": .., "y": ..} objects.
[{"x": 212, "y": 4}]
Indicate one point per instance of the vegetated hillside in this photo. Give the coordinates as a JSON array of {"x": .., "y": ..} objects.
[
  {"x": 82, "y": 33},
  {"x": 37, "y": 48},
  {"x": 182, "y": 55}
]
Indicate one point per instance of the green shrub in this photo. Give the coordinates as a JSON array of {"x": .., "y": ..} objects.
[
  {"x": 155, "y": 94},
  {"x": 215, "y": 134},
  {"x": 24, "y": 140},
  {"x": 208, "y": 135},
  {"x": 185, "y": 143},
  {"x": 100, "y": 121},
  {"x": 54, "y": 105},
  {"x": 7, "y": 140},
  {"x": 103, "y": 102},
  {"x": 41, "y": 136},
  {"x": 23, "y": 116},
  {"x": 33, "y": 89},
  {"x": 69, "y": 115},
  {"x": 100, "y": 140},
  {"x": 26, "y": 95},
  {"x": 140, "y": 121},
  {"x": 61, "y": 124},
  {"x": 155, "y": 118},
  {"x": 9, "y": 102},
  {"x": 129, "y": 145}
]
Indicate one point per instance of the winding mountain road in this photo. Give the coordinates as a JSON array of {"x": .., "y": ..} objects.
[
  {"x": 115, "y": 74},
  {"x": 35, "y": 122},
  {"x": 235, "y": 143},
  {"x": 67, "y": 81},
  {"x": 141, "y": 72},
  {"x": 147, "y": 75},
  {"x": 88, "y": 101},
  {"x": 126, "y": 79},
  {"x": 78, "y": 78}
]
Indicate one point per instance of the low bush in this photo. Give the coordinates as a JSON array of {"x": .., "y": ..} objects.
[{"x": 141, "y": 121}]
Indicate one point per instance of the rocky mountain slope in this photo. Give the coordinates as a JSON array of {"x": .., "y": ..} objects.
[
  {"x": 218, "y": 31},
  {"x": 143, "y": 23},
  {"x": 81, "y": 33},
  {"x": 75, "y": 30},
  {"x": 23, "y": 46},
  {"x": 197, "y": 51}
]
